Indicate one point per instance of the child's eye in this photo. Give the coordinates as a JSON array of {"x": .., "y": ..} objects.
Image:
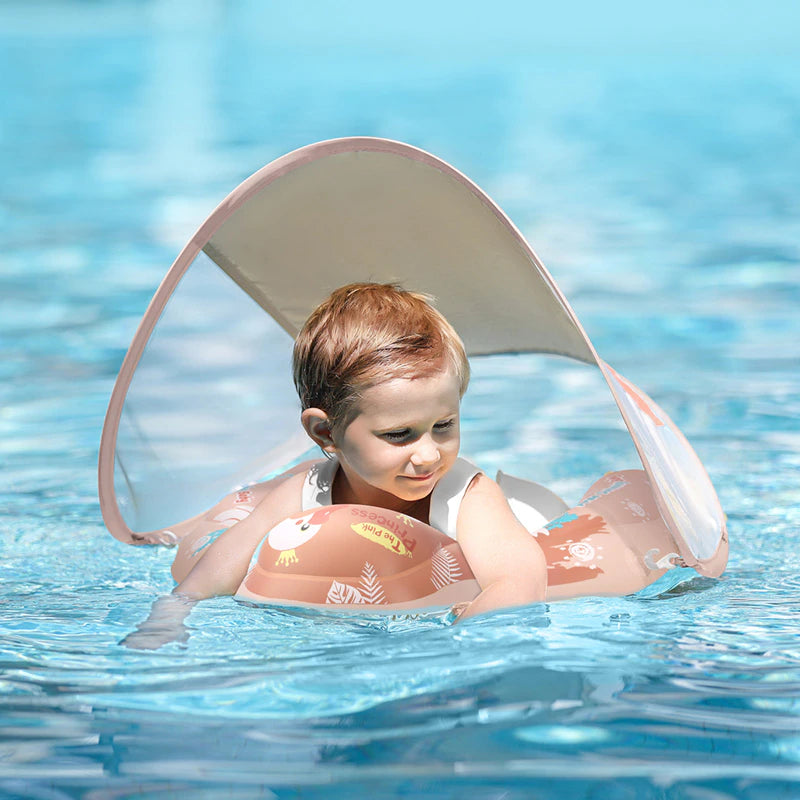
[
  {"x": 441, "y": 427},
  {"x": 397, "y": 436}
]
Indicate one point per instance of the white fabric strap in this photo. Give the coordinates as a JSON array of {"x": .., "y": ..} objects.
[
  {"x": 445, "y": 500},
  {"x": 448, "y": 494},
  {"x": 533, "y": 504},
  {"x": 318, "y": 485}
]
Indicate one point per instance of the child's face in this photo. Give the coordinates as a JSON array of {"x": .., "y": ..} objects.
[{"x": 404, "y": 438}]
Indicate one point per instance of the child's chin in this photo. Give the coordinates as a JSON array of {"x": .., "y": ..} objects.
[{"x": 414, "y": 490}]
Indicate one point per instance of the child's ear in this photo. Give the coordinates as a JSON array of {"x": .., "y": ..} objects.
[{"x": 317, "y": 425}]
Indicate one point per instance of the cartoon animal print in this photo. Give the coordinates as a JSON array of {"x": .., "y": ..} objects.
[{"x": 293, "y": 532}]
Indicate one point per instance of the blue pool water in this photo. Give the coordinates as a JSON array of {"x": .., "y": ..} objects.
[{"x": 659, "y": 180}]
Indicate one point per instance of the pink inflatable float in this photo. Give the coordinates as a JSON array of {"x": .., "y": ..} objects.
[
  {"x": 614, "y": 542},
  {"x": 352, "y": 557}
]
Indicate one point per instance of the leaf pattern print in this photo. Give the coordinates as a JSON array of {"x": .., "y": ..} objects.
[
  {"x": 344, "y": 593},
  {"x": 371, "y": 587},
  {"x": 444, "y": 568}
]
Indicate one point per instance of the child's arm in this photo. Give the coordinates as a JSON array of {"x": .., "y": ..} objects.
[
  {"x": 225, "y": 563},
  {"x": 506, "y": 560},
  {"x": 219, "y": 571}
]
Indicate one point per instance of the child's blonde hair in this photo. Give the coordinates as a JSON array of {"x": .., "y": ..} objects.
[{"x": 367, "y": 333}]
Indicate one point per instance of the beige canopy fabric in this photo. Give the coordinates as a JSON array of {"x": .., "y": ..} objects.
[
  {"x": 183, "y": 425},
  {"x": 368, "y": 209}
]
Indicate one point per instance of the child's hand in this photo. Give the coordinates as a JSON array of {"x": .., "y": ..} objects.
[
  {"x": 152, "y": 637},
  {"x": 164, "y": 625}
]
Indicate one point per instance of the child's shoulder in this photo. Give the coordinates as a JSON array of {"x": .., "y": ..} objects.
[
  {"x": 284, "y": 492},
  {"x": 483, "y": 502},
  {"x": 482, "y": 487}
]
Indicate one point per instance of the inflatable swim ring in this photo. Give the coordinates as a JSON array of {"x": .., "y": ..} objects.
[
  {"x": 355, "y": 556},
  {"x": 358, "y": 557}
]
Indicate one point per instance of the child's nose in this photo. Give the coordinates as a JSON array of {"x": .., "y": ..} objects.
[{"x": 426, "y": 452}]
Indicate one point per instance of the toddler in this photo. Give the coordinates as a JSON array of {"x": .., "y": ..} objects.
[{"x": 380, "y": 374}]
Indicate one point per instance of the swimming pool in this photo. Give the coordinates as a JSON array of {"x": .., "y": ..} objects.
[{"x": 664, "y": 199}]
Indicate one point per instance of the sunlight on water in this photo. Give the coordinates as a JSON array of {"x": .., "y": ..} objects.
[{"x": 661, "y": 194}]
